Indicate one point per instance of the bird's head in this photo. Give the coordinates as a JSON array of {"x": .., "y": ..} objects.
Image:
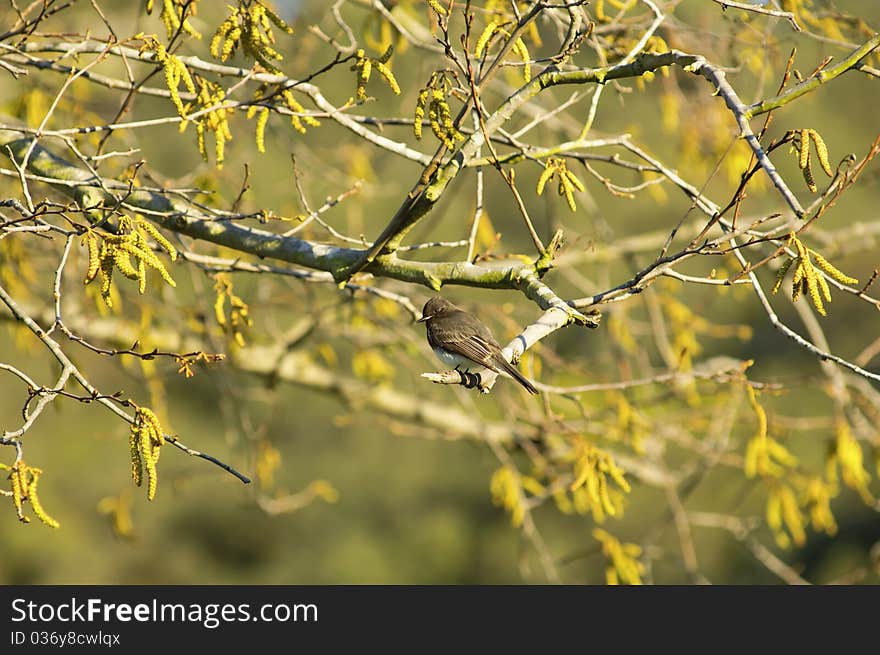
[{"x": 436, "y": 306}]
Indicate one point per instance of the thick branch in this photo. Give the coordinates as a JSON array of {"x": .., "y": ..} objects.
[
  {"x": 815, "y": 81},
  {"x": 176, "y": 215}
]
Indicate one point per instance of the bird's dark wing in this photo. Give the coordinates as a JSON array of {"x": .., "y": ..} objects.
[
  {"x": 470, "y": 338},
  {"x": 472, "y": 346}
]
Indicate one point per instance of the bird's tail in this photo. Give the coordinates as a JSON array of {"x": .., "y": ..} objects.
[{"x": 513, "y": 371}]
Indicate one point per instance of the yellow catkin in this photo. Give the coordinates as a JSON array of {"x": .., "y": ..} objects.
[
  {"x": 780, "y": 274},
  {"x": 149, "y": 258},
  {"x": 809, "y": 269},
  {"x": 420, "y": 113},
  {"x": 132, "y": 247},
  {"x": 504, "y": 488},
  {"x": 617, "y": 475},
  {"x": 366, "y": 66},
  {"x": 307, "y": 118},
  {"x": 817, "y": 498},
  {"x": 218, "y": 39},
  {"x": 434, "y": 120},
  {"x": 171, "y": 79},
  {"x": 91, "y": 242},
  {"x": 804, "y": 158},
  {"x": 260, "y": 135},
  {"x": 848, "y": 454},
  {"x": 780, "y": 453},
  {"x": 251, "y": 41},
  {"x": 261, "y": 16},
  {"x": 276, "y": 20},
  {"x": 365, "y": 69},
  {"x": 791, "y": 515},
  {"x": 296, "y": 123},
  {"x": 773, "y": 511},
  {"x": 829, "y": 268},
  {"x": 574, "y": 180},
  {"x": 519, "y": 46},
  {"x": 590, "y": 488},
  {"x": 19, "y": 491},
  {"x": 189, "y": 29},
  {"x": 823, "y": 286},
  {"x": 107, "y": 279},
  {"x": 159, "y": 238},
  {"x": 219, "y": 303},
  {"x": 142, "y": 276},
  {"x": 759, "y": 412},
  {"x": 611, "y": 578},
  {"x": 146, "y": 449},
  {"x": 123, "y": 264},
  {"x": 179, "y": 73},
  {"x": 166, "y": 276},
  {"x": 219, "y": 147},
  {"x": 176, "y": 19},
  {"x": 152, "y": 480},
  {"x": 152, "y": 422},
  {"x": 808, "y": 178},
  {"x": 582, "y": 471},
  {"x": 750, "y": 462},
  {"x": 388, "y": 76},
  {"x": 569, "y": 193},
  {"x": 813, "y": 291},
  {"x": 656, "y": 44},
  {"x": 566, "y": 188},
  {"x": 200, "y": 134},
  {"x": 483, "y": 41},
  {"x": 605, "y": 498},
  {"x": 798, "y": 271},
  {"x": 797, "y": 279},
  {"x": 546, "y": 174},
  {"x": 295, "y": 120},
  {"x": 232, "y": 41},
  {"x": 169, "y": 17},
  {"x": 822, "y": 152},
  {"x": 437, "y": 7},
  {"x": 623, "y": 564},
  {"x": 34, "y": 499},
  {"x": 446, "y": 117},
  {"x": 134, "y": 451},
  {"x": 449, "y": 131}
]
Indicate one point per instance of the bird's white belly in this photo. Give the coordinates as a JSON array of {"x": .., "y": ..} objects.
[{"x": 457, "y": 361}]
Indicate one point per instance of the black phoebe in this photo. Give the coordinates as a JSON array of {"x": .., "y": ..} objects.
[{"x": 460, "y": 339}]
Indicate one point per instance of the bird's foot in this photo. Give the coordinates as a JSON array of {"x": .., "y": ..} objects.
[{"x": 471, "y": 380}]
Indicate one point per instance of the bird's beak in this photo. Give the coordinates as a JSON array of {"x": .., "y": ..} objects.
[{"x": 424, "y": 318}]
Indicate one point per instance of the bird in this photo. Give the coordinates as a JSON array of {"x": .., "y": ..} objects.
[{"x": 460, "y": 339}]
